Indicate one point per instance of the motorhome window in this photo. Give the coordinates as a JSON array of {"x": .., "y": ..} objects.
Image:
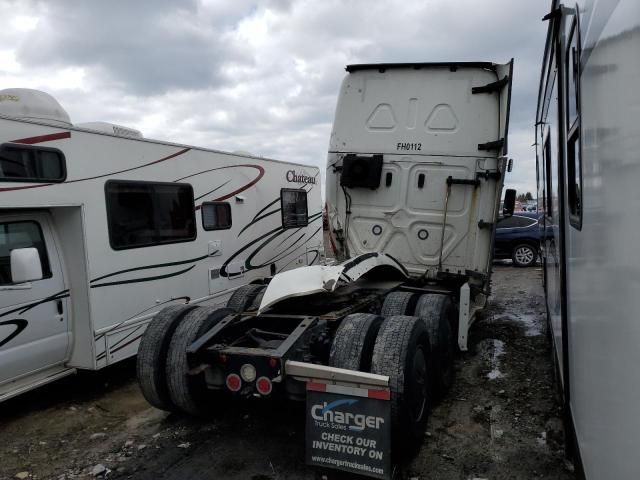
[
  {"x": 547, "y": 166},
  {"x": 574, "y": 179},
  {"x": 22, "y": 234},
  {"x": 294, "y": 208},
  {"x": 216, "y": 215},
  {"x": 142, "y": 214},
  {"x": 572, "y": 71},
  {"x": 25, "y": 163},
  {"x": 574, "y": 157}
]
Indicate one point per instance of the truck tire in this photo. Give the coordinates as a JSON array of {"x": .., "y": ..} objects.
[
  {"x": 524, "y": 255},
  {"x": 188, "y": 392},
  {"x": 438, "y": 313},
  {"x": 402, "y": 352},
  {"x": 150, "y": 367},
  {"x": 399, "y": 303},
  {"x": 353, "y": 343},
  {"x": 242, "y": 299}
]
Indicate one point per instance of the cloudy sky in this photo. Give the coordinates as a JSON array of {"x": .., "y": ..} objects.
[{"x": 258, "y": 76}]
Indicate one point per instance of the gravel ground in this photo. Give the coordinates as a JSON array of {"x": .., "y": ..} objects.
[{"x": 499, "y": 421}]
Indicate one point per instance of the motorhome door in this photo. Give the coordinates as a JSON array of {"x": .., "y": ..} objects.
[{"x": 34, "y": 330}]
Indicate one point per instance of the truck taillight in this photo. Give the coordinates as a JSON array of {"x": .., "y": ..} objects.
[
  {"x": 233, "y": 382},
  {"x": 264, "y": 386}
]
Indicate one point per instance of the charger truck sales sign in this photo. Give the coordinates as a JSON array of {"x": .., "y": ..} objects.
[{"x": 349, "y": 429}]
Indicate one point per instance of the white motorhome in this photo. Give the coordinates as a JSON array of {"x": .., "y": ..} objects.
[
  {"x": 587, "y": 144},
  {"x": 100, "y": 228}
]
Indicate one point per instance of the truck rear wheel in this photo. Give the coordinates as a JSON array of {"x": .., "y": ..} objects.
[
  {"x": 189, "y": 392},
  {"x": 437, "y": 311},
  {"x": 399, "y": 303},
  {"x": 402, "y": 352},
  {"x": 243, "y": 298},
  {"x": 353, "y": 343},
  {"x": 152, "y": 352}
]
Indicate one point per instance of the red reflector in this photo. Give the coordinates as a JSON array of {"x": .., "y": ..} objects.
[
  {"x": 223, "y": 358},
  {"x": 380, "y": 394},
  {"x": 317, "y": 387},
  {"x": 264, "y": 385},
  {"x": 233, "y": 382},
  {"x": 273, "y": 363}
]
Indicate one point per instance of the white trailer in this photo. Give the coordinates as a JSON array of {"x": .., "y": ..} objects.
[
  {"x": 101, "y": 228},
  {"x": 587, "y": 143},
  {"x": 415, "y": 170}
]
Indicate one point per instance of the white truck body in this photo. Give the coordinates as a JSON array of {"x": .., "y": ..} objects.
[
  {"x": 95, "y": 299},
  {"x": 428, "y": 125},
  {"x": 437, "y": 132}
]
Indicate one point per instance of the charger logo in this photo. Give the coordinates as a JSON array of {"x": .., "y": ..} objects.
[
  {"x": 327, "y": 412},
  {"x": 294, "y": 177}
]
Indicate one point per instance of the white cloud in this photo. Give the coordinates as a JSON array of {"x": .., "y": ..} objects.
[{"x": 259, "y": 76}]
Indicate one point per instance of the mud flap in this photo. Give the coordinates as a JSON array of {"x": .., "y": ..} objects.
[{"x": 349, "y": 429}]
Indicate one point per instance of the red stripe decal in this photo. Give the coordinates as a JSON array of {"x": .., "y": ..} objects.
[
  {"x": 243, "y": 188},
  {"x": 380, "y": 394},
  {"x": 316, "y": 387},
  {"x": 43, "y": 138},
  {"x": 235, "y": 192},
  {"x": 173, "y": 155}
]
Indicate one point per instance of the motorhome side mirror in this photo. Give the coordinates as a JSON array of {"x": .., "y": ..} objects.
[
  {"x": 25, "y": 265},
  {"x": 509, "y": 202},
  {"x": 510, "y": 165}
]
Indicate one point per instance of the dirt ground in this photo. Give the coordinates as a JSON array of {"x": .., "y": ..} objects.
[{"x": 499, "y": 421}]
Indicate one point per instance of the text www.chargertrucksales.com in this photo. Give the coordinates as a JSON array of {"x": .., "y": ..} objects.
[{"x": 348, "y": 464}]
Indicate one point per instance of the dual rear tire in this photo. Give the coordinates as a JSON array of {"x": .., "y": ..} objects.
[
  {"x": 397, "y": 346},
  {"x": 163, "y": 369}
]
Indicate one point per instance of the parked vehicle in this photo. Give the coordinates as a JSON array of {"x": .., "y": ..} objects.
[
  {"x": 415, "y": 170},
  {"x": 101, "y": 228},
  {"x": 587, "y": 144},
  {"x": 518, "y": 238}
]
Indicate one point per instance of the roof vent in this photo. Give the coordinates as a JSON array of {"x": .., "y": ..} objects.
[
  {"x": 111, "y": 128},
  {"x": 28, "y": 104}
]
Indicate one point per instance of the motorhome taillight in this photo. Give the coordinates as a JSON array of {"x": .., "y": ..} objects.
[
  {"x": 264, "y": 386},
  {"x": 233, "y": 382},
  {"x": 273, "y": 362}
]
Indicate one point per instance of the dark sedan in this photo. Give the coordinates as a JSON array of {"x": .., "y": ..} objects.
[{"x": 518, "y": 238}]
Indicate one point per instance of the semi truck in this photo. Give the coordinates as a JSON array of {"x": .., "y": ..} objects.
[{"x": 415, "y": 169}]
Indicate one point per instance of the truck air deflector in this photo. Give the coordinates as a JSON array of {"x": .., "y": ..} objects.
[{"x": 419, "y": 65}]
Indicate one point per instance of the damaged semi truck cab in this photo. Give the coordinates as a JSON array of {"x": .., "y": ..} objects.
[{"x": 415, "y": 171}]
